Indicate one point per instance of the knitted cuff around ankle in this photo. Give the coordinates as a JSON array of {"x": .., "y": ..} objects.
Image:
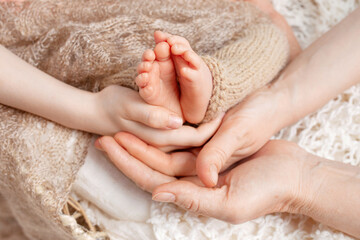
[{"x": 245, "y": 65}]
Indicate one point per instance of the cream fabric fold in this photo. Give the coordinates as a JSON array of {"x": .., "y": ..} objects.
[{"x": 90, "y": 45}]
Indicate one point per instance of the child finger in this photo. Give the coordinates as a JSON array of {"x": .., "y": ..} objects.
[{"x": 194, "y": 137}]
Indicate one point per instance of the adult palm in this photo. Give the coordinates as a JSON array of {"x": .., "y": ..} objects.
[{"x": 264, "y": 183}]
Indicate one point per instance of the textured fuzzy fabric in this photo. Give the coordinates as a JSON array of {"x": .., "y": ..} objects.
[
  {"x": 245, "y": 65},
  {"x": 92, "y": 44},
  {"x": 332, "y": 132},
  {"x": 9, "y": 227}
]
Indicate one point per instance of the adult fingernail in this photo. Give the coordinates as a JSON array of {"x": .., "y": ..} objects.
[
  {"x": 213, "y": 174},
  {"x": 164, "y": 197},
  {"x": 175, "y": 122}
]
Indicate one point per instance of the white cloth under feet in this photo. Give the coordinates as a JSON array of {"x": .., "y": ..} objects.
[{"x": 126, "y": 212}]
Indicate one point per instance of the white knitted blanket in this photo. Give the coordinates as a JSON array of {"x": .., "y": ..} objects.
[{"x": 332, "y": 132}]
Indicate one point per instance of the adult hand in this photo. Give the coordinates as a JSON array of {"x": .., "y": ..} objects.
[
  {"x": 305, "y": 85},
  {"x": 266, "y": 182},
  {"x": 244, "y": 130},
  {"x": 122, "y": 109},
  {"x": 281, "y": 177}
]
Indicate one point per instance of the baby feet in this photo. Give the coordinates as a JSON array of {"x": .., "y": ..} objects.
[
  {"x": 157, "y": 78},
  {"x": 194, "y": 77},
  {"x": 173, "y": 57}
]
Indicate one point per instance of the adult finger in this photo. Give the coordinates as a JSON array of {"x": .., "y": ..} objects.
[
  {"x": 174, "y": 164},
  {"x": 201, "y": 200},
  {"x": 215, "y": 154},
  {"x": 146, "y": 178}
]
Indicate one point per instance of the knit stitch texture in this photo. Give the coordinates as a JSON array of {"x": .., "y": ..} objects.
[{"x": 92, "y": 44}]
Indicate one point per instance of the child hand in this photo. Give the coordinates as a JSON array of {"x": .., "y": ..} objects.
[
  {"x": 118, "y": 105},
  {"x": 122, "y": 109}
]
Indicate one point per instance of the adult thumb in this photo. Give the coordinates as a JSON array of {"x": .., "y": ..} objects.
[
  {"x": 201, "y": 200},
  {"x": 214, "y": 155}
]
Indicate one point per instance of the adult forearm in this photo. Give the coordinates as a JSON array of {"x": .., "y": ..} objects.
[
  {"x": 24, "y": 87},
  {"x": 323, "y": 70},
  {"x": 331, "y": 194}
]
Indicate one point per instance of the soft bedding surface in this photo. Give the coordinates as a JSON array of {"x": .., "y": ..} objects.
[{"x": 332, "y": 132}]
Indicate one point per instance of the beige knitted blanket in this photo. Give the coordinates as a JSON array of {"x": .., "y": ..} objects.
[{"x": 92, "y": 44}]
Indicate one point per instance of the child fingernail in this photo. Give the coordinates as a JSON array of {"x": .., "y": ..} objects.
[
  {"x": 164, "y": 197},
  {"x": 213, "y": 174},
  {"x": 97, "y": 145},
  {"x": 175, "y": 122}
]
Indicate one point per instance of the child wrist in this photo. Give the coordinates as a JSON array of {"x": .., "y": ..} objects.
[{"x": 87, "y": 115}]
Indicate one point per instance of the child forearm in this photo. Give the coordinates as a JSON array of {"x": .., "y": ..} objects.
[
  {"x": 24, "y": 87},
  {"x": 328, "y": 67},
  {"x": 107, "y": 112}
]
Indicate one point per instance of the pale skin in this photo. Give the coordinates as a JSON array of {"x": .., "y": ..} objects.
[
  {"x": 343, "y": 178},
  {"x": 173, "y": 57},
  {"x": 157, "y": 80},
  {"x": 111, "y": 110},
  {"x": 30, "y": 90},
  {"x": 158, "y": 86},
  {"x": 325, "y": 69},
  {"x": 306, "y": 183},
  {"x": 281, "y": 177}
]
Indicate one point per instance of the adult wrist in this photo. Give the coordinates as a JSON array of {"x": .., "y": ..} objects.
[
  {"x": 328, "y": 194},
  {"x": 316, "y": 177},
  {"x": 303, "y": 195},
  {"x": 290, "y": 91},
  {"x": 282, "y": 94}
]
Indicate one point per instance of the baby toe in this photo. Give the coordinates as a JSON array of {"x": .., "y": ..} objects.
[
  {"x": 147, "y": 93},
  {"x": 187, "y": 74},
  {"x": 162, "y": 51},
  {"x": 148, "y": 55},
  {"x": 160, "y": 36},
  {"x": 144, "y": 67},
  {"x": 142, "y": 80},
  {"x": 178, "y": 40},
  {"x": 178, "y": 49},
  {"x": 192, "y": 58}
]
